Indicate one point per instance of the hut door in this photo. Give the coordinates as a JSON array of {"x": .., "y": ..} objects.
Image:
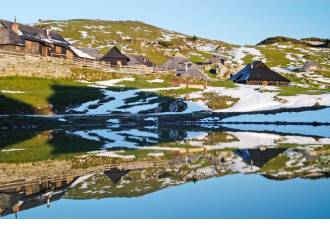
[{"x": 44, "y": 50}]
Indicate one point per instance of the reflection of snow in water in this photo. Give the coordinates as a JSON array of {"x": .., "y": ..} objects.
[
  {"x": 119, "y": 139},
  {"x": 145, "y": 139}
]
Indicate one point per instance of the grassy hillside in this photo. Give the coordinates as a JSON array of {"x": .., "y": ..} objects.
[
  {"x": 312, "y": 42},
  {"x": 158, "y": 44},
  {"x": 134, "y": 37}
]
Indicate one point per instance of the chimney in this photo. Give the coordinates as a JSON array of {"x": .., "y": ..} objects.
[
  {"x": 47, "y": 32},
  {"x": 15, "y": 27},
  {"x": 186, "y": 66}
]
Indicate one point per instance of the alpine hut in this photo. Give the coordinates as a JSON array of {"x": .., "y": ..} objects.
[
  {"x": 257, "y": 73},
  {"x": 192, "y": 71},
  {"x": 310, "y": 66},
  {"x": 16, "y": 37},
  {"x": 139, "y": 60},
  {"x": 184, "y": 68},
  {"x": 176, "y": 62},
  {"x": 115, "y": 57}
]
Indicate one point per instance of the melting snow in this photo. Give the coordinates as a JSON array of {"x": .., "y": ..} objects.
[
  {"x": 80, "y": 53},
  {"x": 12, "y": 92},
  {"x": 112, "y": 82},
  {"x": 156, "y": 81},
  {"x": 12, "y": 150},
  {"x": 84, "y": 34},
  {"x": 241, "y": 52}
]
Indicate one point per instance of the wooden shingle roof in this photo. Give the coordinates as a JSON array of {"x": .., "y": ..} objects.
[
  {"x": 32, "y": 33},
  {"x": 175, "y": 62},
  {"x": 114, "y": 53},
  {"x": 9, "y": 37},
  {"x": 139, "y": 60},
  {"x": 258, "y": 71}
]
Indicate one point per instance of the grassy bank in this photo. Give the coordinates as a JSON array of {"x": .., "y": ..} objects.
[{"x": 21, "y": 95}]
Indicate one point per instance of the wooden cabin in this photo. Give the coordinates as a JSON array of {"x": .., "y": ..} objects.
[
  {"x": 17, "y": 37},
  {"x": 184, "y": 68},
  {"x": 176, "y": 62},
  {"x": 310, "y": 66},
  {"x": 139, "y": 60},
  {"x": 115, "y": 57},
  {"x": 257, "y": 73}
]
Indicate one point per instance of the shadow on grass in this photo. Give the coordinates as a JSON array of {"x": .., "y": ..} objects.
[
  {"x": 65, "y": 97},
  {"x": 22, "y": 146},
  {"x": 12, "y": 106}
]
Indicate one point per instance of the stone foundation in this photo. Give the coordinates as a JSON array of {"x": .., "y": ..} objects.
[{"x": 33, "y": 67}]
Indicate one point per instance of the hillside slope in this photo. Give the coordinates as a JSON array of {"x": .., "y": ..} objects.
[
  {"x": 134, "y": 37},
  {"x": 158, "y": 44}
]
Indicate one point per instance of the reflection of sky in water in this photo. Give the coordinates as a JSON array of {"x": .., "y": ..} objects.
[
  {"x": 237, "y": 196},
  {"x": 323, "y": 131},
  {"x": 230, "y": 196},
  {"x": 322, "y": 115}
]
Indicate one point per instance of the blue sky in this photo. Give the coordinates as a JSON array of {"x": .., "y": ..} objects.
[{"x": 235, "y": 21}]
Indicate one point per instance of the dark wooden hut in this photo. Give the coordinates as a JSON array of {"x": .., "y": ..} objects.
[
  {"x": 115, "y": 57},
  {"x": 257, "y": 73}
]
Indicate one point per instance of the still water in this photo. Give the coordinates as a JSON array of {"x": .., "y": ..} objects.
[
  {"x": 201, "y": 171},
  {"x": 236, "y": 196}
]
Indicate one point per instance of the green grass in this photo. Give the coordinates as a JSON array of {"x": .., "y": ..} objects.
[
  {"x": 276, "y": 163},
  {"x": 274, "y": 57},
  {"x": 325, "y": 73},
  {"x": 226, "y": 84},
  {"x": 219, "y": 137},
  {"x": 293, "y": 91},
  {"x": 43, "y": 96},
  {"x": 142, "y": 84},
  {"x": 215, "y": 101},
  {"x": 178, "y": 92},
  {"x": 248, "y": 58},
  {"x": 196, "y": 59}
]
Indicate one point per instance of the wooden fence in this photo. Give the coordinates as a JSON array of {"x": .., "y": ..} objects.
[
  {"x": 86, "y": 63},
  {"x": 70, "y": 175}
]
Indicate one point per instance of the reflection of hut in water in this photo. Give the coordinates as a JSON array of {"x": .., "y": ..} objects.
[
  {"x": 115, "y": 174},
  {"x": 259, "y": 157},
  {"x": 30, "y": 196}
]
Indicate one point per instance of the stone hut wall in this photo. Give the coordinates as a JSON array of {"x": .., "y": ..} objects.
[{"x": 33, "y": 67}]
